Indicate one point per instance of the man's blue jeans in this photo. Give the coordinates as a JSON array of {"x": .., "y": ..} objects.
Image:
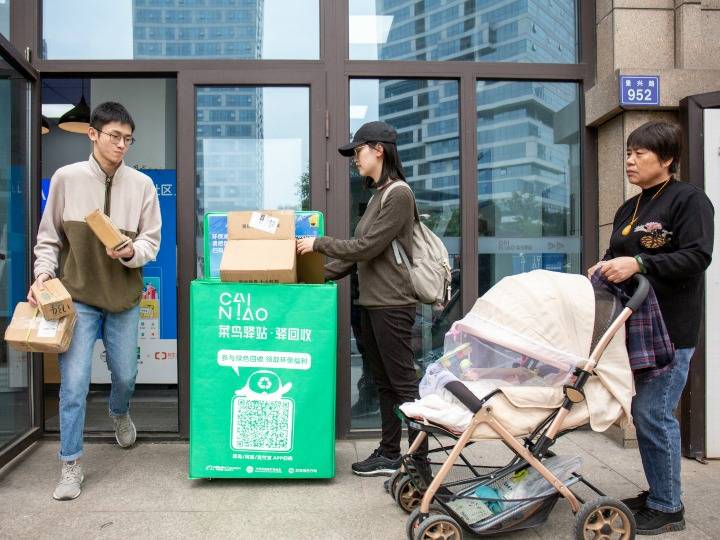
[
  {"x": 120, "y": 336},
  {"x": 658, "y": 432}
]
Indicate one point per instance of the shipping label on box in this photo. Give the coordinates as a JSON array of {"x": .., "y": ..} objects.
[
  {"x": 53, "y": 299},
  {"x": 261, "y": 225},
  {"x": 262, "y": 380}
]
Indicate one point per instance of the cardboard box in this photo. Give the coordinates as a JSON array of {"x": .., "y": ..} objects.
[
  {"x": 53, "y": 299},
  {"x": 105, "y": 230},
  {"x": 260, "y": 247},
  {"x": 30, "y": 331},
  {"x": 310, "y": 267}
]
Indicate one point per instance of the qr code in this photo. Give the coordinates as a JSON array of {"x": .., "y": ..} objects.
[{"x": 265, "y": 425}]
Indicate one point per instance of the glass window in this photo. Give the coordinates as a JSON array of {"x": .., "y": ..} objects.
[
  {"x": 253, "y": 150},
  {"x": 471, "y": 30},
  {"x": 425, "y": 114},
  {"x": 5, "y": 18},
  {"x": 528, "y": 175},
  {"x": 128, "y": 29},
  {"x": 15, "y": 409}
]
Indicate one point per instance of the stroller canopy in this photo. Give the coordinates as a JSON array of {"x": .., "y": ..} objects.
[
  {"x": 525, "y": 336},
  {"x": 551, "y": 312}
]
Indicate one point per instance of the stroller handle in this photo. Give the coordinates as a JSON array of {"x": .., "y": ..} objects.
[{"x": 640, "y": 294}]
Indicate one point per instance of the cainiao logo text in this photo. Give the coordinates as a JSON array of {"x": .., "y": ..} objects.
[{"x": 239, "y": 307}]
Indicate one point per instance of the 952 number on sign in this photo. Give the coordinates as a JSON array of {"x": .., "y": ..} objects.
[{"x": 640, "y": 95}]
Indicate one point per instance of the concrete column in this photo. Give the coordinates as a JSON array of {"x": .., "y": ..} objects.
[{"x": 634, "y": 34}]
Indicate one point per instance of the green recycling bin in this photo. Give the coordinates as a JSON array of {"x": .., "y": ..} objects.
[{"x": 262, "y": 380}]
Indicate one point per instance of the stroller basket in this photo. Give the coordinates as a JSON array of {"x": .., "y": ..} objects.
[
  {"x": 483, "y": 514},
  {"x": 523, "y": 514}
]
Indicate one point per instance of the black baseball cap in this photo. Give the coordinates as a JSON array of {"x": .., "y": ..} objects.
[{"x": 370, "y": 132}]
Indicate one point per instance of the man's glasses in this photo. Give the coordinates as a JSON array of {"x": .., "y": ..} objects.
[{"x": 115, "y": 138}]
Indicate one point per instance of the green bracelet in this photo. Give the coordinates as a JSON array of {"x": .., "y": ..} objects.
[{"x": 639, "y": 260}]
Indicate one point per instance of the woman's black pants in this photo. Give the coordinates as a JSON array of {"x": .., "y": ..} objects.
[{"x": 387, "y": 333}]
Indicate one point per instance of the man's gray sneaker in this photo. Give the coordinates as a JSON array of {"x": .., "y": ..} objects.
[
  {"x": 125, "y": 432},
  {"x": 69, "y": 486}
]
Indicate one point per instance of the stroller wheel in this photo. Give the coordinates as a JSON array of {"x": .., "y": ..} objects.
[
  {"x": 413, "y": 521},
  {"x": 439, "y": 527},
  {"x": 391, "y": 482},
  {"x": 406, "y": 494},
  {"x": 604, "y": 518}
]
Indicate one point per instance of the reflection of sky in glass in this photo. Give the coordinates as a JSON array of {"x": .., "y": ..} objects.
[
  {"x": 257, "y": 162},
  {"x": 88, "y": 29},
  {"x": 5, "y": 18},
  {"x": 286, "y": 127},
  {"x": 91, "y": 29}
]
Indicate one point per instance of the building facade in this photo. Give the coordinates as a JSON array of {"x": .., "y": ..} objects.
[{"x": 510, "y": 127}]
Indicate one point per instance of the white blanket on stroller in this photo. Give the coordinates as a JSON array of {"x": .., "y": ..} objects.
[{"x": 520, "y": 409}]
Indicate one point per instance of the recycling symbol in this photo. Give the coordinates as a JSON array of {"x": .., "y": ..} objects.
[{"x": 265, "y": 385}]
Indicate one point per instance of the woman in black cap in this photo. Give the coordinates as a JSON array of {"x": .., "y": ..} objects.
[{"x": 387, "y": 298}]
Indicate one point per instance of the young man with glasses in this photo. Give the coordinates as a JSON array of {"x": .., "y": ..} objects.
[{"x": 105, "y": 284}]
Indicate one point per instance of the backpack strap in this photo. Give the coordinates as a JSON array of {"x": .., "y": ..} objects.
[
  {"x": 400, "y": 255},
  {"x": 392, "y": 186}
]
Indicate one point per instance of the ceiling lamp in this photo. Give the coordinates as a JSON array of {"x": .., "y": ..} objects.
[
  {"x": 45, "y": 129},
  {"x": 77, "y": 119}
]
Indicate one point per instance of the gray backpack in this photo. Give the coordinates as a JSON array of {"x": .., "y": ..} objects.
[{"x": 430, "y": 267}]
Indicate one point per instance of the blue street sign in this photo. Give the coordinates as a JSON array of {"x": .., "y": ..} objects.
[{"x": 639, "y": 90}]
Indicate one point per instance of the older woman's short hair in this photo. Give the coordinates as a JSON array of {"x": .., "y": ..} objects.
[{"x": 661, "y": 138}]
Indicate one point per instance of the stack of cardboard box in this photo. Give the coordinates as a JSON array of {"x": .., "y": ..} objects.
[
  {"x": 260, "y": 248},
  {"x": 46, "y": 328}
]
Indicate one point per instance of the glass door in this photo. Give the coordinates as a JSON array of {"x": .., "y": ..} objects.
[
  {"x": 19, "y": 413},
  {"x": 255, "y": 141}
]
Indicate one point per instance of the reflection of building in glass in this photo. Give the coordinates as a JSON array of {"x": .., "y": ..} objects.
[
  {"x": 197, "y": 29},
  {"x": 480, "y": 30},
  {"x": 229, "y": 120},
  {"x": 520, "y": 166}
]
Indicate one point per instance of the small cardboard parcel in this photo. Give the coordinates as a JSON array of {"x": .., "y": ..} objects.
[
  {"x": 106, "y": 231},
  {"x": 30, "y": 331},
  {"x": 53, "y": 299}
]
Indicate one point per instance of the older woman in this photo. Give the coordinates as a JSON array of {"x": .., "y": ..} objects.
[{"x": 666, "y": 233}]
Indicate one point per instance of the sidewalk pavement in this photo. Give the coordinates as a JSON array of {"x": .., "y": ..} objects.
[{"x": 144, "y": 492}]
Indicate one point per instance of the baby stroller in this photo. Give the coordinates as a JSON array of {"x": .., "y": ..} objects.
[{"x": 539, "y": 355}]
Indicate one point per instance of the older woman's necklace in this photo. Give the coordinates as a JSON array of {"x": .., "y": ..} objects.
[{"x": 634, "y": 218}]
